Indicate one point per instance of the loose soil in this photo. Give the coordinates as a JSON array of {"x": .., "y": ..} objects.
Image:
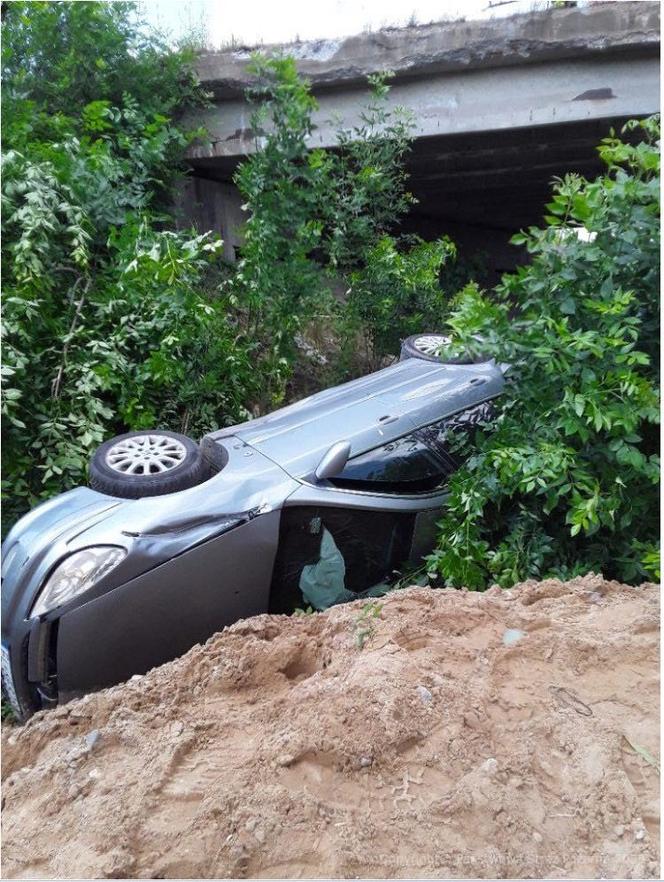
[{"x": 506, "y": 734}]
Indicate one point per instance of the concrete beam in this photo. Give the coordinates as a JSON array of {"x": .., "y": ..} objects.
[
  {"x": 499, "y": 107},
  {"x": 474, "y": 100}
]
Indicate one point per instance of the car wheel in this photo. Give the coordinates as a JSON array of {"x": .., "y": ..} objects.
[
  {"x": 147, "y": 464},
  {"x": 427, "y": 346}
]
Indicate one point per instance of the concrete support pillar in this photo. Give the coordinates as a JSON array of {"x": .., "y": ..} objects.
[{"x": 211, "y": 205}]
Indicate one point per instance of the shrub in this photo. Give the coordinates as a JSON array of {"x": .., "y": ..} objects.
[
  {"x": 110, "y": 320},
  {"x": 567, "y": 481},
  {"x": 367, "y": 179},
  {"x": 59, "y": 58},
  {"x": 101, "y": 338},
  {"x": 278, "y": 282},
  {"x": 397, "y": 292},
  {"x": 319, "y": 221}
]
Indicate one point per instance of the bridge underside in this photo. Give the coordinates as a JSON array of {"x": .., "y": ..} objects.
[
  {"x": 498, "y": 109},
  {"x": 482, "y": 188},
  {"x": 479, "y": 188}
]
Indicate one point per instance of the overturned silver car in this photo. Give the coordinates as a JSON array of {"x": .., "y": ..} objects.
[{"x": 329, "y": 495}]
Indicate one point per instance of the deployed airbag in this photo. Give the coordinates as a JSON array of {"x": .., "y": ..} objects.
[{"x": 323, "y": 584}]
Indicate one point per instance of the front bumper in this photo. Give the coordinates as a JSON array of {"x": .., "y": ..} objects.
[
  {"x": 30, "y": 551},
  {"x": 28, "y": 675}
]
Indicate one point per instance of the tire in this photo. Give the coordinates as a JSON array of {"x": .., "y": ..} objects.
[
  {"x": 139, "y": 464},
  {"x": 423, "y": 346}
]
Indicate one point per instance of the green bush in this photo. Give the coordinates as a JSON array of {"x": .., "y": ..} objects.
[
  {"x": 397, "y": 292},
  {"x": 60, "y": 59},
  {"x": 567, "y": 480},
  {"x": 319, "y": 221},
  {"x": 110, "y": 320},
  {"x": 278, "y": 282},
  {"x": 101, "y": 337},
  {"x": 366, "y": 179}
]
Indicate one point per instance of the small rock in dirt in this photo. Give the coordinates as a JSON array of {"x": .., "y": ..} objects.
[
  {"x": 260, "y": 835},
  {"x": 424, "y": 694},
  {"x": 513, "y": 635},
  {"x": 640, "y": 834},
  {"x": 177, "y": 728},
  {"x": 250, "y": 825},
  {"x": 285, "y": 759},
  {"x": 365, "y": 761},
  {"x": 489, "y": 766},
  {"x": 94, "y": 774},
  {"x": 471, "y": 720},
  {"x": 92, "y": 738},
  {"x": 136, "y": 678},
  {"x": 537, "y": 837},
  {"x": 78, "y": 713},
  {"x": 619, "y": 829}
]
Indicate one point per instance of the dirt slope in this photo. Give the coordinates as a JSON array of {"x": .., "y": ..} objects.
[{"x": 471, "y": 735}]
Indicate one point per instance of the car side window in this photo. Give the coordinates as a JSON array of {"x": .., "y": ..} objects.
[
  {"x": 406, "y": 465},
  {"x": 416, "y": 463}
]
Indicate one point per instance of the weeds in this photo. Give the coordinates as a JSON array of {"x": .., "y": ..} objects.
[
  {"x": 309, "y": 611},
  {"x": 363, "y": 627}
]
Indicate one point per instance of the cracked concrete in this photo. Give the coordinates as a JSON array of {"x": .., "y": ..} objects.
[{"x": 600, "y": 28}]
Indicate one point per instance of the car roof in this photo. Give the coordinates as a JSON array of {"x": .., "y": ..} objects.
[{"x": 367, "y": 412}]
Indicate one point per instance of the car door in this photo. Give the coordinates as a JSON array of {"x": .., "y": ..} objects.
[{"x": 381, "y": 511}]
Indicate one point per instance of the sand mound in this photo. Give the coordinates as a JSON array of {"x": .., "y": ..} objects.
[{"x": 452, "y": 734}]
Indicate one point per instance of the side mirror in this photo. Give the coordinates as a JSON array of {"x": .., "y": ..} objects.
[{"x": 333, "y": 461}]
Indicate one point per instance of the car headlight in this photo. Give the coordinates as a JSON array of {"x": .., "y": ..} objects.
[{"x": 76, "y": 574}]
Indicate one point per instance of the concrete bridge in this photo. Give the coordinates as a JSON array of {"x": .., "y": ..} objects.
[{"x": 500, "y": 107}]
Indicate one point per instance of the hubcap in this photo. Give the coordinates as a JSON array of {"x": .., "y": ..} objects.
[
  {"x": 430, "y": 344},
  {"x": 146, "y": 455}
]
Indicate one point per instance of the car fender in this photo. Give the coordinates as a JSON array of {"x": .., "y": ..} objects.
[{"x": 165, "y": 611}]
